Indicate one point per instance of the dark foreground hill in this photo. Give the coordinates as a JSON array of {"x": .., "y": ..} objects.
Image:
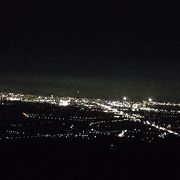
[
  {"x": 67, "y": 157},
  {"x": 89, "y": 160}
]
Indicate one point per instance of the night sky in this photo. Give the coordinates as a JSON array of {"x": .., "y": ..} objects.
[{"x": 105, "y": 49}]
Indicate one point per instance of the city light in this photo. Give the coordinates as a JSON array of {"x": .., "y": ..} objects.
[
  {"x": 125, "y": 98},
  {"x": 100, "y": 117},
  {"x": 150, "y": 99}
]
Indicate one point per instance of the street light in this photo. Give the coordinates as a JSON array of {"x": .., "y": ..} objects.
[
  {"x": 124, "y": 98},
  {"x": 150, "y": 99}
]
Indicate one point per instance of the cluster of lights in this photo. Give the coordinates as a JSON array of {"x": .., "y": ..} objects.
[{"x": 121, "y": 111}]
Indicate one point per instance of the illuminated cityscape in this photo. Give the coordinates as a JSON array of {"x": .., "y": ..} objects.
[
  {"x": 90, "y": 90},
  {"x": 32, "y": 117}
]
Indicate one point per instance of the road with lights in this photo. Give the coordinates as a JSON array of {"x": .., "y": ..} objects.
[{"x": 36, "y": 117}]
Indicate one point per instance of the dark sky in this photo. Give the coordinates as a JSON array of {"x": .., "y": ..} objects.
[{"x": 101, "y": 48}]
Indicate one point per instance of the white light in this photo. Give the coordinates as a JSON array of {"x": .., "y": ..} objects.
[
  {"x": 63, "y": 103},
  {"x": 150, "y": 99},
  {"x": 124, "y": 98},
  {"x": 122, "y": 133}
]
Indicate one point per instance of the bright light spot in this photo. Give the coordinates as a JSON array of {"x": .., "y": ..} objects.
[
  {"x": 150, "y": 99},
  {"x": 26, "y": 115},
  {"x": 63, "y": 103},
  {"x": 121, "y": 112},
  {"x": 122, "y": 133},
  {"x": 124, "y": 98}
]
